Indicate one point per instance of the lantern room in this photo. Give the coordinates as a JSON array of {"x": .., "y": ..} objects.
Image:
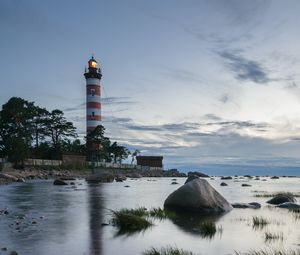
[{"x": 92, "y": 63}]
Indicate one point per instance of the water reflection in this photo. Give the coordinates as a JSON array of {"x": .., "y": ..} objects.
[
  {"x": 203, "y": 225},
  {"x": 95, "y": 207}
]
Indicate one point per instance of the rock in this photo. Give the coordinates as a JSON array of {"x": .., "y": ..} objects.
[
  {"x": 197, "y": 196},
  {"x": 248, "y": 176},
  {"x": 199, "y": 174},
  {"x": 252, "y": 205},
  {"x": 103, "y": 177},
  {"x": 8, "y": 177},
  {"x": 68, "y": 178},
  {"x": 264, "y": 180},
  {"x": 288, "y": 205},
  {"x": 72, "y": 183},
  {"x": 257, "y": 179},
  {"x": 174, "y": 183},
  {"x": 281, "y": 198},
  {"x": 135, "y": 175},
  {"x": 13, "y": 253},
  {"x": 246, "y": 185},
  {"x": 223, "y": 184},
  {"x": 174, "y": 179},
  {"x": 190, "y": 178},
  {"x": 127, "y": 186},
  {"x": 33, "y": 222},
  {"x": 226, "y": 178},
  {"x": 6, "y": 212},
  {"x": 274, "y": 177},
  {"x": 59, "y": 182},
  {"x": 4, "y": 249},
  {"x": 120, "y": 178}
]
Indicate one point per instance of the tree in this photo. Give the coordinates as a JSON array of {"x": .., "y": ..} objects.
[
  {"x": 59, "y": 129},
  {"x": 98, "y": 145},
  {"x": 134, "y": 154},
  {"x": 16, "y": 129},
  {"x": 118, "y": 152}
]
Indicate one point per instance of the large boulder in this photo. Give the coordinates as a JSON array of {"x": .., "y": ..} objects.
[
  {"x": 190, "y": 178},
  {"x": 197, "y": 196},
  {"x": 281, "y": 198}
]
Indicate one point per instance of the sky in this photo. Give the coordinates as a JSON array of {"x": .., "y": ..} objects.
[{"x": 198, "y": 82}]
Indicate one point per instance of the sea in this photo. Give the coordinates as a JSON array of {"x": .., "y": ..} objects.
[{"x": 76, "y": 219}]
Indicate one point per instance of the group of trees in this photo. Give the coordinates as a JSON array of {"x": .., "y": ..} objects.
[{"x": 27, "y": 130}]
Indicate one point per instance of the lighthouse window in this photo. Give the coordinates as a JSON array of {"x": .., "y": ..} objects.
[{"x": 93, "y": 92}]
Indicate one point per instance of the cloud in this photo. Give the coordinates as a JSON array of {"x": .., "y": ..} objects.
[
  {"x": 243, "y": 68},
  {"x": 183, "y": 75},
  {"x": 224, "y": 98},
  {"x": 117, "y": 101}
]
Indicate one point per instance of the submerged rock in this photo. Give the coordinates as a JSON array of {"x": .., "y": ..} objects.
[
  {"x": 289, "y": 205},
  {"x": 252, "y": 205},
  {"x": 197, "y": 196},
  {"x": 281, "y": 198}
]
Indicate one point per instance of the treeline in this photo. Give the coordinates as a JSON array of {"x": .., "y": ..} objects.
[{"x": 29, "y": 131}]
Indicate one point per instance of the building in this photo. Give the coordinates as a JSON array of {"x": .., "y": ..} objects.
[
  {"x": 93, "y": 105},
  {"x": 150, "y": 162}
]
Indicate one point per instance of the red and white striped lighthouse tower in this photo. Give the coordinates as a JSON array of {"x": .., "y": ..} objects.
[{"x": 93, "y": 96}]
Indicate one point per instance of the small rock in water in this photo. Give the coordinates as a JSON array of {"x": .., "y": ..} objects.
[
  {"x": 223, "y": 184},
  {"x": 13, "y": 253},
  {"x": 127, "y": 186},
  {"x": 226, "y": 178},
  {"x": 252, "y": 205},
  {"x": 59, "y": 182},
  {"x": 33, "y": 222},
  {"x": 274, "y": 177},
  {"x": 6, "y": 212},
  {"x": 281, "y": 198},
  {"x": 4, "y": 249},
  {"x": 289, "y": 205},
  {"x": 174, "y": 183},
  {"x": 246, "y": 185}
]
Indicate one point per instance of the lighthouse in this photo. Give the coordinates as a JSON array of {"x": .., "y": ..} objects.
[{"x": 93, "y": 95}]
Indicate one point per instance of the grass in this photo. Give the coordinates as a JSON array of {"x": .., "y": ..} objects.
[
  {"x": 273, "y": 236},
  {"x": 277, "y": 193},
  {"x": 162, "y": 214},
  {"x": 129, "y": 223},
  {"x": 140, "y": 211},
  {"x": 270, "y": 252},
  {"x": 296, "y": 212},
  {"x": 259, "y": 222},
  {"x": 167, "y": 251}
]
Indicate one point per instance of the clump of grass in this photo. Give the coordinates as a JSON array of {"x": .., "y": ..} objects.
[
  {"x": 129, "y": 223},
  {"x": 296, "y": 212},
  {"x": 162, "y": 214},
  {"x": 140, "y": 211},
  {"x": 270, "y": 252},
  {"x": 273, "y": 236},
  {"x": 167, "y": 251},
  {"x": 259, "y": 222},
  {"x": 207, "y": 229},
  {"x": 291, "y": 194}
]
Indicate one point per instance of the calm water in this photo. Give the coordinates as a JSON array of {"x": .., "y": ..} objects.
[{"x": 69, "y": 218}]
